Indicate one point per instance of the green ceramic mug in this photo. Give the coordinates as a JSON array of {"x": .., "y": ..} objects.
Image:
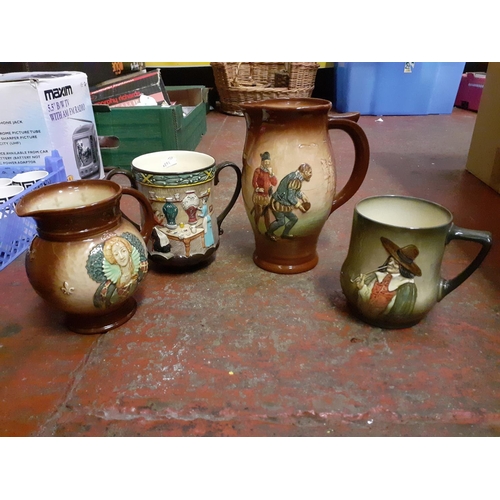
[{"x": 391, "y": 276}]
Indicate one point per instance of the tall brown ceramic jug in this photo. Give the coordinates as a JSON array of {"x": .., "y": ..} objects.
[{"x": 289, "y": 178}]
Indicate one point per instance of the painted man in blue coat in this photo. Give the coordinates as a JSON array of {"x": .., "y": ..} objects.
[{"x": 288, "y": 197}]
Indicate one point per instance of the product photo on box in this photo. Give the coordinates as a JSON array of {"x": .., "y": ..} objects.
[{"x": 45, "y": 111}]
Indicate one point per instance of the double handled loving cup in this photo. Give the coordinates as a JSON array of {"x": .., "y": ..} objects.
[{"x": 180, "y": 188}]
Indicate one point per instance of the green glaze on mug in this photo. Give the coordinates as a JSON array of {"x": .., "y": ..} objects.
[{"x": 392, "y": 274}]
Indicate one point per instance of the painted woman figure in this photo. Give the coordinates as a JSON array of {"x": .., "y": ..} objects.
[
  {"x": 207, "y": 224},
  {"x": 123, "y": 268},
  {"x": 390, "y": 290}
]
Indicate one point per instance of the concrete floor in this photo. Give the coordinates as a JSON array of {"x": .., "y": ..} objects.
[{"x": 232, "y": 350}]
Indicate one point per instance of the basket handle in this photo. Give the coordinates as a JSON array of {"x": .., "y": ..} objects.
[{"x": 236, "y": 83}]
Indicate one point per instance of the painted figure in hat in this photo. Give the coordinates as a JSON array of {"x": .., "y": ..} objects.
[
  {"x": 390, "y": 290},
  {"x": 263, "y": 181},
  {"x": 288, "y": 197}
]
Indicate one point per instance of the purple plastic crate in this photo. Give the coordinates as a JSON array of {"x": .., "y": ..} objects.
[{"x": 16, "y": 232}]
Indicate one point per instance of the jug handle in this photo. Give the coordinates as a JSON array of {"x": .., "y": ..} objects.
[
  {"x": 361, "y": 158},
  {"x": 350, "y": 115},
  {"x": 149, "y": 219},
  {"x": 236, "y": 192},
  {"x": 484, "y": 238}
]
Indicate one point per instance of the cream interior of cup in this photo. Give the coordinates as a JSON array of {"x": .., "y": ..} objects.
[
  {"x": 404, "y": 212},
  {"x": 172, "y": 162}
]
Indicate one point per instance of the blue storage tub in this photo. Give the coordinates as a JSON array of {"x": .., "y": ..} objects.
[
  {"x": 16, "y": 233},
  {"x": 397, "y": 88}
]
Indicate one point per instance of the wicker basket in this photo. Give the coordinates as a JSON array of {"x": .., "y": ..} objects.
[{"x": 257, "y": 81}]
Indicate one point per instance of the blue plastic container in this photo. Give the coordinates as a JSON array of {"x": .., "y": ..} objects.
[
  {"x": 16, "y": 233},
  {"x": 397, "y": 88}
]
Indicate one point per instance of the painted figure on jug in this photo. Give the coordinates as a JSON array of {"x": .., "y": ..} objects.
[
  {"x": 118, "y": 264},
  {"x": 161, "y": 243},
  {"x": 390, "y": 289},
  {"x": 287, "y": 198},
  {"x": 206, "y": 224},
  {"x": 263, "y": 182}
]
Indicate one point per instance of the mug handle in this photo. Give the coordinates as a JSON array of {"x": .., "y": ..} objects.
[
  {"x": 484, "y": 238},
  {"x": 361, "y": 158},
  {"x": 236, "y": 192}
]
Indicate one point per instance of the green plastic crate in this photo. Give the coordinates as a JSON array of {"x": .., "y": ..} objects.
[{"x": 145, "y": 129}]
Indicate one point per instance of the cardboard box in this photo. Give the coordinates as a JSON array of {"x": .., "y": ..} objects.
[
  {"x": 484, "y": 153},
  {"x": 42, "y": 112},
  {"x": 145, "y": 129},
  {"x": 96, "y": 72},
  {"x": 128, "y": 90},
  {"x": 470, "y": 91}
]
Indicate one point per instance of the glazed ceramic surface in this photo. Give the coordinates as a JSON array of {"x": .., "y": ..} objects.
[
  {"x": 392, "y": 274},
  {"x": 86, "y": 259},
  {"x": 179, "y": 185},
  {"x": 289, "y": 178}
]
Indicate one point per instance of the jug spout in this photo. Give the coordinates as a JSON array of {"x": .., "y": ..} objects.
[
  {"x": 65, "y": 196},
  {"x": 68, "y": 209}
]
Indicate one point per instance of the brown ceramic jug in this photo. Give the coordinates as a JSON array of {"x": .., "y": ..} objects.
[
  {"x": 87, "y": 259},
  {"x": 289, "y": 178}
]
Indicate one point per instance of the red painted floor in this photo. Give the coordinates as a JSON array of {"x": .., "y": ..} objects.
[{"x": 232, "y": 350}]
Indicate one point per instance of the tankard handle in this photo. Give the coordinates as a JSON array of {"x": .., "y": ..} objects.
[
  {"x": 148, "y": 215},
  {"x": 361, "y": 158},
  {"x": 236, "y": 192},
  {"x": 484, "y": 238},
  {"x": 112, "y": 171}
]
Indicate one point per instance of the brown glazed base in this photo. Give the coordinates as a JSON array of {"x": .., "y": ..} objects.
[
  {"x": 183, "y": 264},
  {"x": 285, "y": 268},
  {"x": 89, "y": 325},
  {"x": 285, "y": 256}
]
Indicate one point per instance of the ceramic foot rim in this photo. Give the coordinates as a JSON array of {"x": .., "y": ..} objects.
[
  {"x": 286, "y": 269},
  {"x": 89, "y": 325}
]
